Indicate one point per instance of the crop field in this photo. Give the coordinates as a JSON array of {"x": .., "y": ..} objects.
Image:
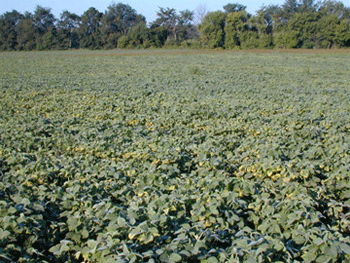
[{"x": 174, "y": 156}]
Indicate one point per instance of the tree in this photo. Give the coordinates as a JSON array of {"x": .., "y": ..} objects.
[
  {"x": 89, "y": 31},
  {"x": 236, "y": 26},
  {"x": 288, "y": 39},
  {"x": 26, "y": 33},
  {"x": 342, "y": 37},
  {"x": 67, "y": 30},
  {"x": 178, "y": 26},
  {"x": 266, "y": 16},
  {"x": 185, "y": 28},
  {"x": 138, "y": 36},
  {"x": 117, "y": 21},
  {"x": 284, "y": 14},
  {"x": 158, "y": 35},
  {"x": 337, "y": 8},
  {"x": 326, "y": 30},
  {"x": 299, "y": 32},
  {"x": 307, "y": 6},
  {"x": 262, "y": 23},
  {"x": 212, "y": 29},
  {"x": 43, "y": 19},
  {"x": 306, "y": 26},
  {"x": 231, "y": 8},
  {"x": 288, "y": 10},
  {"x": 8, "y": 34},
  {"x": 50, "y": 40},
  {"x": 290, "y": 7},
  {"x": 168, "y": 19}
]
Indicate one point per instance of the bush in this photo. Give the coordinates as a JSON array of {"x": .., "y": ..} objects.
[
  {"x": 286, "y": 39},
  {"x": 249, "y": 40},
  {"x": 123, "y": 42},
  {"x": 192, "y": 44},
  {"x": 171, "y": 43}
]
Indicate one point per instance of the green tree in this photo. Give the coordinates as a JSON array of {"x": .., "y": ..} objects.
[
  {"x": 158, "y": 35},
  {"x": 117, "y": 21},
  {"x": 26, "y": 33},
  {"x": 295, "y": 24},
  {"x": 138, "y": 36},
  {"x": 44, "y": 23},
  {"x": 43, "y": 19},
  {"x": 263, "y": 26},
  {"x": 265, "y": 16},
  {"x": 89, "y": 31},
  {"x": 231, "y": 8},
  {"x": 212, "y": 29},
  {"x": 327, "y": 30},
  {"x": 50, "y": 40},
  {"x": 236, "y": 26},
  {"x": 333, "y": 24},
  {"x": 185, "y": 28},
  {"x": 178, "y": 27},
  {"x": 290, "y": 7},
  {"x": 8, "y": 33},
  {"x": 287, "y": 39},
  {"x": 282, "y": 16},
  {"x": 342, "y": 36},
  {"x": 337, "y": 8},
  {"x": 67, "y": 30},
  {"x": 168, "y": 19},
  {"x": 308, "y": 6},
  {"x": 306, "y": 26}
]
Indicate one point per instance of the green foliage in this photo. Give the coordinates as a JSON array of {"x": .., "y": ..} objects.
[
  {"x": 119, "y": 18},
  {"x": 67, "y": 28},
  {"x": 306, "y": 26},
  {"x": 26, "y": 34},
  {"x": 287, "y": 39},
  {"x": 231, "y": 8},
  {"x": 249, "y": 40},
  {"x": 171, "y": 43},
  {"x": 8, "y": 33},
  {"x": 178, "y": 27},
  {"x": 139, "y": 36},
  {"x": 50, "y": 40},
  {"x": 330, "y": 7},
  {"x": 43, "y": 20},
  {"x": 342, "y": 38},
  {"x": 328, "y": 26},
  {"x": 158, "y": 36},
  {"x": 265, "y": 41},
  {"x": 192, "y": 44},
  {"x": 112, "y": 40},
  {"x": 234, "y": 157},
  {"x": 123, "y": 42},
  {"x": 212, "y": 29},
  {"x": 236, "y": 25},
  {"x": 117, "y": 21},
  {"x": 89, "y": 31}
]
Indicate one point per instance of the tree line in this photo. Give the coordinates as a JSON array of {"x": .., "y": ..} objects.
[{"x": 295, "y": 24}]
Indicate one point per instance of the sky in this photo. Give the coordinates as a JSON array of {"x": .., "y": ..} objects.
[{"x": 147, "y": 8}]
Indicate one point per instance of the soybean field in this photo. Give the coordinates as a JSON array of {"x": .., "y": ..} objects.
[{"x": 175, "y": 156}]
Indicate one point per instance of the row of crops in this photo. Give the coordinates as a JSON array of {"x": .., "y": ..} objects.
[{"x": 207, "y": 157}]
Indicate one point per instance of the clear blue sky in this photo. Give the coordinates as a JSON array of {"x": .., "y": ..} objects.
[{"x": 147, "y": 8}]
